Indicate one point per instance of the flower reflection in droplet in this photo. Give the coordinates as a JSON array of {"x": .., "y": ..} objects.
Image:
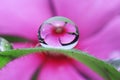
[{"x": 58, "y": 32}]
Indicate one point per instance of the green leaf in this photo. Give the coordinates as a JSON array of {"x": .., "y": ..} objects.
[
  {"x": 11, "y": 38},
  {"x": 105, "y": 70},
  {"x": 4, "y": 61}
]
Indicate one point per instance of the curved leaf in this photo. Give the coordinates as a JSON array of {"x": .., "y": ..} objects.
[
  {"x": 11, "y": 38},
  {"x": 105, "y": 70}
]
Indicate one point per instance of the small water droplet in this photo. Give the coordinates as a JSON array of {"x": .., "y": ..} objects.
[
  {"x": 115, "y": 62},
  {"x": 4, "y": 45},
  {"x": 58, "y": 32}
]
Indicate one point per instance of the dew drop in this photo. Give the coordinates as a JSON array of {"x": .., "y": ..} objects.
[
  {"x": 4, "y": 45},
  {"x": 58, "y": 32},
  {"x": 115, "y": 62}
]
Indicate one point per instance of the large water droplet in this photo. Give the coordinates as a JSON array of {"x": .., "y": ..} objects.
[
  {"x": 4, "y": 45},
  {"x": 58, "y": 32}
]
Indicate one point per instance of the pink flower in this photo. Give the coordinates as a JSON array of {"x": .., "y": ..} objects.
[{"x": 98, "y": 23}]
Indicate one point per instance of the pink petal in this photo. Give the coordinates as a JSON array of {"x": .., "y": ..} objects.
[
  {"x": 87, "y": 71},
  {"x": 45, "y": 30},
  {"x": 104, "y": 43},
  {"x": 70, "y": 27},
  {"x": 59, "y": 70},
  {"x": 89, "y": 15},
  {"x": 23, "y": 45},
  {"x": 52, "y": 40},
  {"x": 22, "y": 68},
  {"x": 58, "y": 23},
  {"x": 23, "y": 17},
  {"x": 67, "y": 38}
]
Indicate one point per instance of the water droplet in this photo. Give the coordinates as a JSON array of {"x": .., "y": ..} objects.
[
  {"x": 115, "y": 62},
  {"x": 4, "y": 45},
  {"x": 58, "y": 32},
  {"x": 114, "y": 59}
]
